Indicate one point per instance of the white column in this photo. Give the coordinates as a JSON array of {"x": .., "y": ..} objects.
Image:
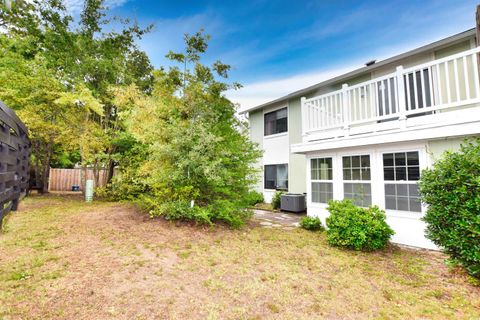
[
  {"x": 309, "y": 184},
  {"x": 402, "y": 103},
  {"x": 346, "y": 110},
  {"x": 303, "y": 109}
]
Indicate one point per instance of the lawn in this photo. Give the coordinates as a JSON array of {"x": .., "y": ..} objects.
[{"x": 62, "y": 258}]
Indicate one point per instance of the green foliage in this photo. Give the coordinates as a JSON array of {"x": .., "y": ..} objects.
[
  {"x": 64, "y": 158},
  {"x": 276, "y": 199},
  {"x": 129, "y": 182},
  {"x": 232, "y": 213},
  {"x": 59, "y": 74},
  {"x": 84, "y": 90},
  {"x": 254, "y": 197},
  {"x": 311, "y": 223},
  {"x": 195, "y": 147},
  {"x": 357, "y": 228},
  {"x": 451, "y": 189},
  {"x": 220, "y": 211},
  {"x": 181, "y": 210}
]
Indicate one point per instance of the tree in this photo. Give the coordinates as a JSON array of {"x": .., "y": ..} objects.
[
  {"x": 85, "y": 57},
  {"x": 198, "y": 150},
  {"x": 29, "y": 87}
]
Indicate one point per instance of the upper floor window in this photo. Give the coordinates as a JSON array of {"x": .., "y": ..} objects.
[{"x": 276, "y": 122}]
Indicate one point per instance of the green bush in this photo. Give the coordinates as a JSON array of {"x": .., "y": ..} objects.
[
  {"x": 311, "y": 223},
  {"x": 233, "y": 214},
  {"x": 254, "y": 197},
  {"x": 276, "y": 199},
  {"x": 357, "y": 228},
  {"x": 451, "y": 189},
  {"x": 181, "y": 210}
]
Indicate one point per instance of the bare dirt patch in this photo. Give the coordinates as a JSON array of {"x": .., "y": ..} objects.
[{"x": 62, "y": 258}]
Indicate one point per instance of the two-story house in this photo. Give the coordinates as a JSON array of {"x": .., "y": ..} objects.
[{"x": 367, "y": 135}]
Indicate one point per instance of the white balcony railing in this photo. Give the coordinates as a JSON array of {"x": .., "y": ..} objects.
[{"x": 420, "y": 90}]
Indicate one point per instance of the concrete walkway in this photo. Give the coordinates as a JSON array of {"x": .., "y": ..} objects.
[{"x": 277, "y": 220}]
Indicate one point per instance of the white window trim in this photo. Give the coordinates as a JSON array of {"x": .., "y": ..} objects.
[
  {"x": 377, "y": 181},
  {"x": 423, "y": 164},
  {"x": 320, "y": 180},
  {"x": 309, "y": 179},
  {"x": 276, "y": 135},
  {"x": 340, "y": 160}
]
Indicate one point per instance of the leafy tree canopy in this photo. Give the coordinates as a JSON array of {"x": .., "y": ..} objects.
[
  {"x": 60, "y": 75},
  {"x": 197, "y": 148}
]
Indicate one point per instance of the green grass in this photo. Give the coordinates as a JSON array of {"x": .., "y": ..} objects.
[{"x": 62, "y": 258}]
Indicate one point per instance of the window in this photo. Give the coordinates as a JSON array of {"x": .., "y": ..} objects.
[
  {"x": 356, "y": 177},
  {"x": 321, "y": 176},
  {"x": 401, "y": 171},
  {"x": 276, "y": 122},
  {"x": 276, "y": 177}
]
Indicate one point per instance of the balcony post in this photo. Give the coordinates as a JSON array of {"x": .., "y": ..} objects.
[
  {"x": 304, "y": 112},
  {"x": 346, "y": 108},
  {"x": 402, "y": 103}
]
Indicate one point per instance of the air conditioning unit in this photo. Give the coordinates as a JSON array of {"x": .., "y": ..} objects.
[{"x": 293, "y": 202}]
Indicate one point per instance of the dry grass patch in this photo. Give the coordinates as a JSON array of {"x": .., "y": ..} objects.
[{"x": 62, "y": 258}]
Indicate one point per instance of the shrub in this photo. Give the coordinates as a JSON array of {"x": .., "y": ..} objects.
[
  {"x": 276, "y": 199},
  {"x": 311, "y": 223},
  {"x": 452, "y": 191},
  {"x": 254, "y": 197},
  {"x": 181, "y": 210},
  {"x": 231, "y": 213},
  {"x": 357, "y": 228}
]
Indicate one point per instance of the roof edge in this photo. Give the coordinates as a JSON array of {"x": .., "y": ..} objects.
[{"x": 456, "y": 37}]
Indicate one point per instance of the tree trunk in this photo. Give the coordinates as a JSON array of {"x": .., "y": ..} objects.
[
  {"x": 46, "y": 174},
  {"x": 38, "y": 175},
  {"x": 110, "y": 171}
]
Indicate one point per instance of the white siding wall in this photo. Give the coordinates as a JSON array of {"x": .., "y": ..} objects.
[
  {"x": 408, "y": 227},
  {"x": 276, "y": 150}
]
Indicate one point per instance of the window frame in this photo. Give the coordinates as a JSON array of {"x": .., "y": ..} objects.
[
  {"x": 351, "y": 181},
  {"x": 406, "y": 182},
  {"x": 266, "y": 113},
  {"x": 276, "y": 176},
  {"x": 324, "y": 181}
]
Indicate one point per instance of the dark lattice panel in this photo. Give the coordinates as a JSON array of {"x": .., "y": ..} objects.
[{"x": 14, "y": 154}]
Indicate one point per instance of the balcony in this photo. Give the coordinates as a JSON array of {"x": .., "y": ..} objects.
[{"x": 409, "y": 97}]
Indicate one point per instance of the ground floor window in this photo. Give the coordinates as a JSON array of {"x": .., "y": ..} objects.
[
  {"x": 276, "y": 176},
  {"x": 401, "y": 171},
  {"x": 388, "y": 179},
  {"x": 356, "y": 179},
  {"x": 321, "y": 173}
]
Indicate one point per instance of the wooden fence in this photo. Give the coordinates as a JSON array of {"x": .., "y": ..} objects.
[
  {"x": 14, "y": 156},
  {"x": 64, "y": 179}
]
